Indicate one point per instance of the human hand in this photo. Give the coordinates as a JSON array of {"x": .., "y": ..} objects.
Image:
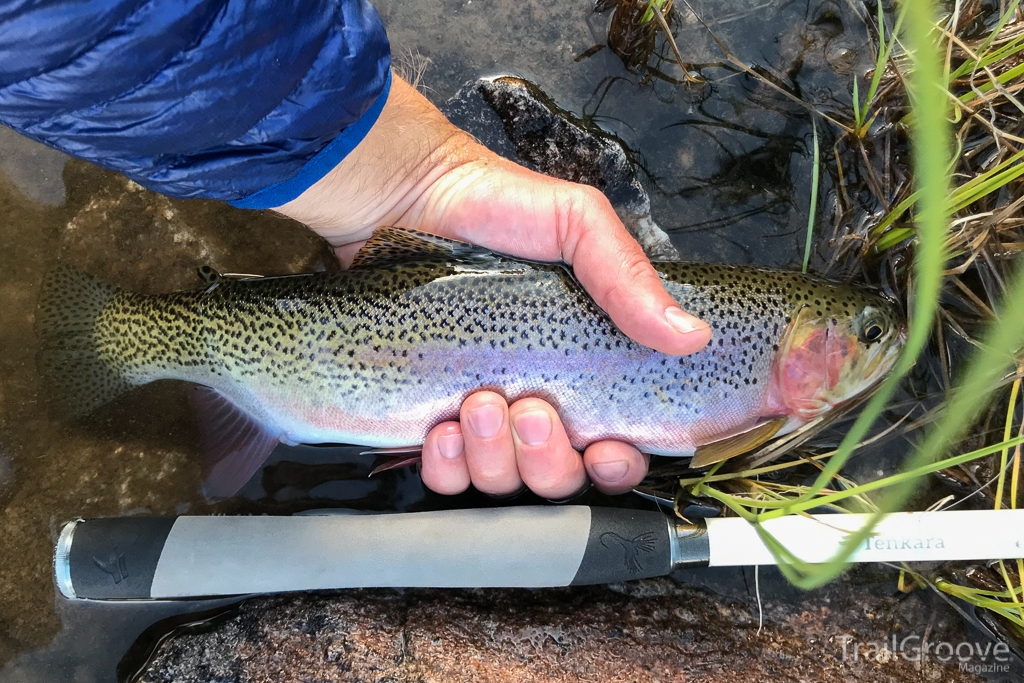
[
  {"x": 501, "y": 448},
  {"x": 415, "y": 170}
]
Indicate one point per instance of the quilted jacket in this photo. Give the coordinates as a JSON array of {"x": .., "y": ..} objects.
[{"x": 247, "y": 101}]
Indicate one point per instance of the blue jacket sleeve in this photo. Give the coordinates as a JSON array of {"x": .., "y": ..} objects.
[{"x": 247, "y": 101}]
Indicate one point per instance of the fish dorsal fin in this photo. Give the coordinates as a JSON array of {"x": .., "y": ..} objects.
[
  {"x": 734, "y": 445},
  {"x": 390, "y": 245},
  {"x": 234, "y": 445}
]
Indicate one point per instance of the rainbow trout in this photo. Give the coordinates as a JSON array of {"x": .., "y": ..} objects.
[{"x": 378, "y": 355}]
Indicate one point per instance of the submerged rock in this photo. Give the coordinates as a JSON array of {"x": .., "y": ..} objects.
[
  {"x": 646, "y": 632},
  {"x": 514, "y": 118},
  {"x": 7, "y": 475}
]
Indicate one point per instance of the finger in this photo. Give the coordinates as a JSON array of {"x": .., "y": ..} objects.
[
  {"x": 548, "y": 464},
  {"x": 613, "y": 268},
  {"x": 490, "y": 453},
  {"x": 444, "y": 468},
  {"x": 615, "y": 467}
]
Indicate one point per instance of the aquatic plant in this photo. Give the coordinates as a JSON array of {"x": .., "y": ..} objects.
[{"x": 632, "y": 35}]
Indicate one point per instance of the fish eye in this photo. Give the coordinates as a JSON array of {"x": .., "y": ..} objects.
[{"x": 873, "y": 328}]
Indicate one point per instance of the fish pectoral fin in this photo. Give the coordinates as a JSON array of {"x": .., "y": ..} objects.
[
  {"x": 397, "y": 450},
  {"x": 389, "y": 244},
  {"x": 402, "y": 456},
  {"x": 234, "y": 446},
  {"x": 655, "y": 497},
  {"x": 734, "y": 445}
]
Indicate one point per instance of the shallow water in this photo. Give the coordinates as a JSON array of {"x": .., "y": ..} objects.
[{"x": 728, "y": 172}]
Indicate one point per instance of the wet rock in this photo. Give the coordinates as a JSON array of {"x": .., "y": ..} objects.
[
  {"x": 518, "y": 120},
  {"x": 140, "y": 452},
  {"x": 34, "y": 169},
  {"x": 161, "y": 241},
  {"x": 645, "y": 632},
  {"x": 7, "y": 478}
]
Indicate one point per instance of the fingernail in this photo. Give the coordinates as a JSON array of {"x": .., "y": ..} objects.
[
  {"x": 486, "y": 420},
  {"x": 611, "y": 472},
  {"x": 683, "y": 322},
  {"x": 450, "y": 445},
  {"x": 533, "y": 427}
]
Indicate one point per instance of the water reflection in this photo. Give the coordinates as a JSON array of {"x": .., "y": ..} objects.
[{"x": 33, "y": 168}]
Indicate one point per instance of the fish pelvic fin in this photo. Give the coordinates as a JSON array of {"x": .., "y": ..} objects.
[
  {"x": 731, "y": 446},
  {"x": 234, "y": 446},
  {"x": 76, "y": 365},
  {"x": 390, "y": 244}
]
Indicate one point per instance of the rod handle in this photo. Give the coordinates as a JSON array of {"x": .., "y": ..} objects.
[{"x": 534, "y": 546}]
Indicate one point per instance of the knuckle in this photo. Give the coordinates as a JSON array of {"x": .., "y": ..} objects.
[
  {"x": 636, "y": 265},
  {"x": 589, "y": 196},
  {"x": 491, "y": 465},
  {"x": 635, "y": 268}
]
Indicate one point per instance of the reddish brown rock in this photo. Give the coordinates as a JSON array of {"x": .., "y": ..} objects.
[{"x": 653, "y": 631}]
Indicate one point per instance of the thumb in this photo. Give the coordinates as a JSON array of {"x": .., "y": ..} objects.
[
  {"x": 346, "y": 253},
  {"x": 614, "y": 270}
]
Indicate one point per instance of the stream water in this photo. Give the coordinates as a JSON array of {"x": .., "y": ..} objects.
[{"x": 727, "y": 168}]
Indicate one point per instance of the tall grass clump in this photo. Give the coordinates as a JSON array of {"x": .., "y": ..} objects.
[{"x": 942, "y": 234}]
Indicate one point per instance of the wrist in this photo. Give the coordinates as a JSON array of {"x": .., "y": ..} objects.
[{"x": 387, "y": 178}]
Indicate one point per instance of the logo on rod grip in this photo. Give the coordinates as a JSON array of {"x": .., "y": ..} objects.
[
  {"x": 631, "y": 548},
  {"x": 115, "y": 565}
]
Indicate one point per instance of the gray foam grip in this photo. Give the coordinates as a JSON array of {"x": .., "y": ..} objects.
[
  {"x": 194, "y": 557},
  {"x": 514, "y": 547}
]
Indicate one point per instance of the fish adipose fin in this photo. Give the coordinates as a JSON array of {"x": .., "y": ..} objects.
[
  {"x": 399, "y": 245},
  {"x": 734, "y": 445},
  {"x": 76, "y": 365},
  {"x": 234, "y": 446}
]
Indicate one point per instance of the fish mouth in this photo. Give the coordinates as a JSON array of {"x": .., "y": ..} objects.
[
  {"x": 875, "y": 368},
  {"x": 891, "y": 353},
  {"x": 878, "y": 364}
]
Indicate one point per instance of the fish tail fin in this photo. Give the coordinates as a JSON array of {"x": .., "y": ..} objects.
[{"x": 72, "y": 364}]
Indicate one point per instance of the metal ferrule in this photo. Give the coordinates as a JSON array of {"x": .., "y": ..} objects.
[
  {"x": 62, "y": 561},
  {"x": 689, "y": 543}
]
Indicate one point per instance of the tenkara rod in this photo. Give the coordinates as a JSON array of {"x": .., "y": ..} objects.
[{"x": 160, "y": 558}]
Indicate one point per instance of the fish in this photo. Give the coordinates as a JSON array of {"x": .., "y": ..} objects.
[{"x": 379, "y": 354}]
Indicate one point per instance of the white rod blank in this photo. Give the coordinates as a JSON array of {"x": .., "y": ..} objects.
[{"x": 899, "y": 537}]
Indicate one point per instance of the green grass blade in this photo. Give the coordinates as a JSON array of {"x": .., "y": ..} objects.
[
  {"x": 884, "y": 51},
  {"x": 931, "y": 147},
  {"x": 908, "y": 476},
  {"x": 964, "y": 195},
  {"x": 857, "y": 121},
  {"x": 1006, "y": 51},
  {"x": 813, "y": 208},
  {"x": 1002, "y": 79},
  {"x": 969, "y": 66}
]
